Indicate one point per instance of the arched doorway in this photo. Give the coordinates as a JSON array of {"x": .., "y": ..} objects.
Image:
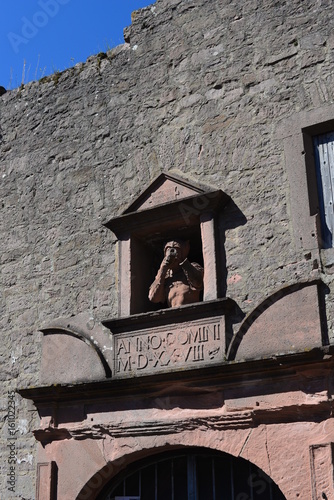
[{"x": 192, "y": 474}]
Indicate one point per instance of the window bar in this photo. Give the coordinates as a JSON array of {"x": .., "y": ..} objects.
[
  {"x": 172, "y": 471},
  {"x": 213, "y": 479},
  {"x": 139, "y": 483},
  {"x": 191, "y": 470},
  {"x": 156, "y": 482},
  {"x": 251, "y": 481},
  {"x": 232, "y": 478}
]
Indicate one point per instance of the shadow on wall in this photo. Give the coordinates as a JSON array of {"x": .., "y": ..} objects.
[{"x": 231, "y": 218}]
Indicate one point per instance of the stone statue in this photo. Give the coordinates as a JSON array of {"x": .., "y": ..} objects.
[{"x": 178, "y": 281}]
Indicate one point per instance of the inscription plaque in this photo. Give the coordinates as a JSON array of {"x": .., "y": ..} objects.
[{"x": 170, "y": 347}]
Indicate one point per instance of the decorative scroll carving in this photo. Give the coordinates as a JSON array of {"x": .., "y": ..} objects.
[
  {"x": 241, "y": 420},
  {"x": 293, "y": 311}
]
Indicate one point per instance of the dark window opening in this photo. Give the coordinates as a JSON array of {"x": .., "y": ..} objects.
[{"x": 146, "y": 256}]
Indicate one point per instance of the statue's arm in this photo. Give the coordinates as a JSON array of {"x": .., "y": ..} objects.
[
  {"x": 194, "y": 273},
  {"x": 157, "y": 291}
]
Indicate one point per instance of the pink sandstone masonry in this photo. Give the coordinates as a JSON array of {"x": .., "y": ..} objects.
[{"x": 226, "y": 96}]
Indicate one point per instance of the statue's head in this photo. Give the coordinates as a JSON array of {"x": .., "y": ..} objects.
[{"x": 176, "y": 251}]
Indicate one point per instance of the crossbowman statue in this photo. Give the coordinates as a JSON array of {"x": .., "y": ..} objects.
[{"x": 178, "y": 281}]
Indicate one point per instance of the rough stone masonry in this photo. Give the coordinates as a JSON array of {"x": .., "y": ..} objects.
[{"x": 198, "y": 88}]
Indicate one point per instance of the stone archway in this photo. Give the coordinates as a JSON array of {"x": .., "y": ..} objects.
[{"x": 191, "y": 474}]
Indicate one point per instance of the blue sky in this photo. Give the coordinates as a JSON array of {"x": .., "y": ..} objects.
[{"x": 39, "y": 37}]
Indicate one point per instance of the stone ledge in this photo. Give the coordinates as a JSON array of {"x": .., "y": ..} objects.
[{"x": 229, "y": 373}]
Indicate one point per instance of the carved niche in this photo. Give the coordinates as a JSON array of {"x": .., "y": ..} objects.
[
  {"x": 169, "y": 209},
  {"x": 172, "y": 219}
]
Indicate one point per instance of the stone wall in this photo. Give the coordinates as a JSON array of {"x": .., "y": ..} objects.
[{"x": 199, "y": 88}]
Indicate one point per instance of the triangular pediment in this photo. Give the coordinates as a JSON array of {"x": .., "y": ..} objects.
[
  {"x": 165, "y": 188},
  {"x": 169, "y": 201}
]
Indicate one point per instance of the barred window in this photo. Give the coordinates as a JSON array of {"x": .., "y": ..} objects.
[{"x": 192, "y": 475}]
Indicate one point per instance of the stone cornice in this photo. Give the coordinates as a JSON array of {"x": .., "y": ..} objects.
[{"x": 195, "y": 382}]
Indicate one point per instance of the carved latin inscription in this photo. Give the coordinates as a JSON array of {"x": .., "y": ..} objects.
[{"x": 170, "y": 347}]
